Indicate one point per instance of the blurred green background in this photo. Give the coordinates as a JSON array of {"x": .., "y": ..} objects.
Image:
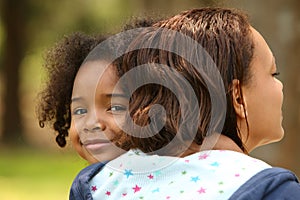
[{"x": 32, "y": 166}]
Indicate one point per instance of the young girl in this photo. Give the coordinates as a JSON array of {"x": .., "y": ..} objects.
[
  {"x": 62, "y": 63},
  {"x": 214, "y": 164}
]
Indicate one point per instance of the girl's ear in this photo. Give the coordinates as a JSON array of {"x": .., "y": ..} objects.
[{"x": 237, "y": 99}]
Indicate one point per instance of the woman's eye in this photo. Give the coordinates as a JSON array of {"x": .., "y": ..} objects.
[
  {"x": 117, "y": 108},
  {"x": 80, "y": 111}
]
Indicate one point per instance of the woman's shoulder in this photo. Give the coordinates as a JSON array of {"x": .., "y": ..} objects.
[
  {"x": 271, "y": 183},
  {"x": 233, "y": 159}
]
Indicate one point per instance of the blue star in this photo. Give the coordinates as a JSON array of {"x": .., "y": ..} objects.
[
  {"x": 128, "y": 173},
  {"x": 215, "y": 164},
  {"x": 156, "y": 190},
  {"x": 195, "y": 179}
]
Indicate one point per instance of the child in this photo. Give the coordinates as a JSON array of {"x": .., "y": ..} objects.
[
  {"x": 214, "y": 164},
  {"x": 62, "y": 63}
]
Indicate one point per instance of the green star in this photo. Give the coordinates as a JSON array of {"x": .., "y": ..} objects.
[{"x": 116, "y": 182}]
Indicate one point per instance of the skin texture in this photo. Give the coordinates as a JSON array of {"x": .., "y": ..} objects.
[{"x": 95, "y": 108}]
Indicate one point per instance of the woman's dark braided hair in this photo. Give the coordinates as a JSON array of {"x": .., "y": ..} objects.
[{"x": 62, "y": 63}]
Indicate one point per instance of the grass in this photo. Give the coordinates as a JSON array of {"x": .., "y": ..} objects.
[{"x": 36, "y": 174}]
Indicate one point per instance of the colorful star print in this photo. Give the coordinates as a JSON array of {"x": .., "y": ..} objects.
[
  {"x": 150, "y": 176},
  {"x": 195, "y": 179},
  {"x": 116, "y": 182},
  {"x": 206, "y": 174},
  {"x": 128, "y": 173},
  {"x": 201, "y": 190},
  {"x": 156, "y": 190},
  {"x": 94, "y": 188},
  {"x": 202, "y": 156},
  {"x": 215, "y": 164},
  {"x": 136, "y": 188}
]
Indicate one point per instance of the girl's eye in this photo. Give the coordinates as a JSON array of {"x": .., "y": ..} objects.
[
  {"x": 80, "y": 111},
  {"x": 117, "y": 108},
  {"x": 276, "y": 74}
]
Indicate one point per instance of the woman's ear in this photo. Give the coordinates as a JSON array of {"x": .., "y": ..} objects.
[{"x": 237, "y": 99}]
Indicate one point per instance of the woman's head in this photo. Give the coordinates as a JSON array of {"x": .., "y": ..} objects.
[
  {"x": 262, "y": 96},
  {"x": 227, "y": 36}
]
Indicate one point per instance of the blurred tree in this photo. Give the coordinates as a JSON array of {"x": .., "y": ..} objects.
[
  {"x": 13, "y": 13},
  {"x": 174, "y": 6},
  {"x": 290, "y": 152},
  {"x": 28, "y": 27}
]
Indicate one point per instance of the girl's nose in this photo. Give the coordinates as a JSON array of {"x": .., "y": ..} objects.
[{"x": 92, "y": 124}]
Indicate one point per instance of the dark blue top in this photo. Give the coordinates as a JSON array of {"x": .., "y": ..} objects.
[
  {"x": 80, "y": 186},
  {"x": 269, "y": 184}
]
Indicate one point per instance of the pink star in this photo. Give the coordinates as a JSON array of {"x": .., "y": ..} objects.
[
  {"x": 168, "y": 197},
  {"x": 237, "y": 175},
  {"x": 187, "y": 161},
  {"x": 107, "y": 193},
  {"x": 136, "y": 188},
  {"x": 202, "y": 157},
  {"x": 94, "y": 188},
  {"x": 124, "y": 194},
  {"x": 150, "y": 176},
  {"x": 201, "y": 190}
]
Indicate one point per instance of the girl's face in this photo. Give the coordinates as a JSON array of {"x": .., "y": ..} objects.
[
  {"x": 263, "y": 97},
  {"x": 93, "y": 113}
]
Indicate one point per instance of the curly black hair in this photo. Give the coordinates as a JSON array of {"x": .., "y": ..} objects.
[{"x": 62, "y": 63}]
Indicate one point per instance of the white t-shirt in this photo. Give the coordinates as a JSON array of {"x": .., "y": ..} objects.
[{"x": 213, "y": 174}]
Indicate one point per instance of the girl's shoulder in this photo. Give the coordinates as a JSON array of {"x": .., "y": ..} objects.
[{"x": 80, "y": 186}]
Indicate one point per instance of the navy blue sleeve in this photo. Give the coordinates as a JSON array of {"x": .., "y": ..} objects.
[
  {"x": 270, "y": 184},
  {"x": 80, "y": 186}
]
